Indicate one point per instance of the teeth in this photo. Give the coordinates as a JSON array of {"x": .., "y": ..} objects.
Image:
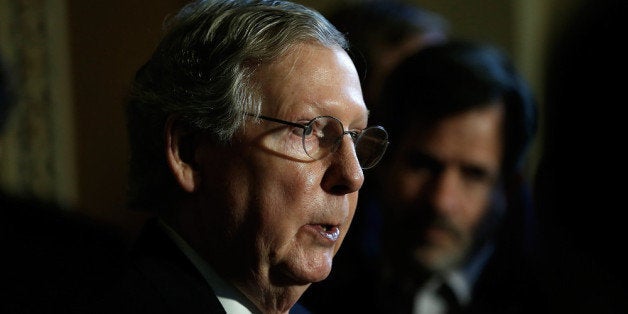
[{"x": 333, "y": 235}]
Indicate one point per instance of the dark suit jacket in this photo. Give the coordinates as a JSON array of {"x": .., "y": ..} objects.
[
  {"x": 159, "y": 278},
  {"x": 53, "y": 257}
]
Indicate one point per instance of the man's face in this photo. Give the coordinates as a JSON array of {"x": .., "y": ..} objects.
[
  {"x": 273, "y": 215},
  {"x": 440, "y": 185}
]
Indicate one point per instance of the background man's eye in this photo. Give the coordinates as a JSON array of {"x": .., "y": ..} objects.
[{"x": 477, "y": 174}]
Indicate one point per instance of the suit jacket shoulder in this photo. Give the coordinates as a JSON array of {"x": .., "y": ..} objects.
[{"x": 159, "y": 278}]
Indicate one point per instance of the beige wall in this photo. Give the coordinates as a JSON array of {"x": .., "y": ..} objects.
[
  {"x": 37, "y": 148},
  {"x": 110, "y": 40}
]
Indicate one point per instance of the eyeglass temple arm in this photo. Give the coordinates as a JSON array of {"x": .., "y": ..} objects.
[{"x": 278, "y": 121}]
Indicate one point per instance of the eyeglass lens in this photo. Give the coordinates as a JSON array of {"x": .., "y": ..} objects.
[
  {"x": 324, "y": 134},
  {"x": 371, "y": 145}
]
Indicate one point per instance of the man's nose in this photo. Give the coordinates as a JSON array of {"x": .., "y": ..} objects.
[
  {"x": 344, "y": 174},
  {"x": 446, "y": 191}
]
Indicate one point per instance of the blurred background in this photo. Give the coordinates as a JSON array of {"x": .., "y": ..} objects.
[{"x": 71, "y": 62}]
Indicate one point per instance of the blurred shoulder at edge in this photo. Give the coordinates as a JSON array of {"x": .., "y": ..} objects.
[
  {"x": 53, "y": 255},
  {"x": 576, "y": 188}
]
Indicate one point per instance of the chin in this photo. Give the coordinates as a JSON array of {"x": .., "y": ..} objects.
[
  {"x": 315, "y": 272},
  {"x": 319, "y": 274},
  {"x": 304, "y": 272},
  {"x": 437, "y": 259}
]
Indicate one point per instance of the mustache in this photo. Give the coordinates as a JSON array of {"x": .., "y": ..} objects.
[
  {"x": 414, "y": 223},
  {"x": 443, "y": 223}
]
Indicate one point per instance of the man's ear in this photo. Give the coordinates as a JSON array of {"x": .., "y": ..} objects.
[{"x": 180, "y": 154}]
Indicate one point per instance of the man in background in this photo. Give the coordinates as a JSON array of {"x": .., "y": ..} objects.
[{"x": 456, "y": 210}]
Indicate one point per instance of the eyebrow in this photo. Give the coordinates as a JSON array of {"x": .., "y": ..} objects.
[{"x": 321, "y": 110}]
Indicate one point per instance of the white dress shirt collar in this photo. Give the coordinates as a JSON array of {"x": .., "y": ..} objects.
[{"x": 229, "y": 296}]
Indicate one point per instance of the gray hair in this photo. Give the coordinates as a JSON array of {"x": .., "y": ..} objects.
[{"x": 202, "y": 71}]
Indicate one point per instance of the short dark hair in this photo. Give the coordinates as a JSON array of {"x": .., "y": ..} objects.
[
  {"x": 370, "y": 23},
  {"x": 455, "y": 77}
]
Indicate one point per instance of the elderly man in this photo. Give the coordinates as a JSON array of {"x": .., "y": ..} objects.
[{"x": 237, "y": 130}]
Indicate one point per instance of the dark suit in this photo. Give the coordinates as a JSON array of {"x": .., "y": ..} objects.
[
  {"x": 53, "y": 258},
  {"x": 159, "y": 279}
]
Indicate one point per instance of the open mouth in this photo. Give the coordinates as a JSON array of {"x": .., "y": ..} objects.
[{"x": 330, "y": 232}]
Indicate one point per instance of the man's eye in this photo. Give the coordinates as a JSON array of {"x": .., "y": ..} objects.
[
  {"x": 298, "y": 131},
  {"x": 477, "y": 174},
  {"x": 354, "y": 134}
]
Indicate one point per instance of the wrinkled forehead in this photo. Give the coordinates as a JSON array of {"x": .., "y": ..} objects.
[{"x": 311, "y": 77}]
